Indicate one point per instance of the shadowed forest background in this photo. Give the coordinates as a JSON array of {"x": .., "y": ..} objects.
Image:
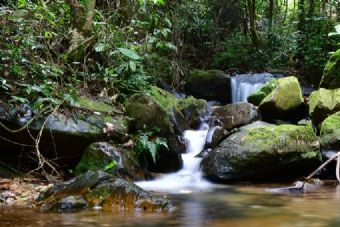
[{"x": 54, "y": 50}]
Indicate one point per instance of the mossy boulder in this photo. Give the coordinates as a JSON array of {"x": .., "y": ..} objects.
[
  {"x": 235, "y": 115},
  {"x": 118, "y": 161},
  {"x": 330, "y": 133},
  {"x": 158, "y": 109},
  {"x": 283, "y": 101},
  {"x": 194, "y": 110},
  {"x": 98, "y": 188},
  {"x": 257, "y": 97},
  {"x": 93, "y": 105},
  {"x": 209, "y": 85},
  {"x": 323, "y": 103},
  {"x": 331, "y": 74},
  {"x": 264, "y": 153}
]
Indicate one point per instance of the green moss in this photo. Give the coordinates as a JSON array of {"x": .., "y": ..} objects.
[
  {"x": 323, "y": 103},
  {"x": 282, "y": 102},
  {"x": 330, "y": 124},
  {"x": 331, "y": 75},
  {"x": 204, "y": 74},
  {"x": 94, "y": 105},
  {"x": 269, "y": 137},
  {"x": 257, "y": 97},
  {"x": 165, "y": 99}
]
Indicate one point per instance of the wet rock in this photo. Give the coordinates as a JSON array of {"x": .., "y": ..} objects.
[
  {"x": 264, "y": 153},
  {"x": 323, "y": 103},
  {"x": 103, "y": 189},
  {"x": 235, "y": 115},
  {"x": 65, "y": 134},
  {"x": 120, "y": 162},
  {"x": 283, "y": 101},
  {"x": 71, "y": 203},
  {"x": 331, "y": 74},
  {"x": 209, "y": 85},
  {"x": 215, "y": 135}
]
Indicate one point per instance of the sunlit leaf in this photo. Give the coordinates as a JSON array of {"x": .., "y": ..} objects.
[{"x": 129, "y": 53}]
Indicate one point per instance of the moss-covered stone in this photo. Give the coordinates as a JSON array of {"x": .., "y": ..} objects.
[
  {"x": 282, "y": 101},
  {"x": 257, "y": 97},
  {"x": 98, "y": 156},
  {"x": 264, "y": 153},
  {"x": 330, "y": 124},
  {"x": 323, "y": 103},
  {"x": 95, "y": 106},
  {"x": 193, "y": 109},
  {"x": 209, "y": 85},
  {"x": 330, "y": 133},
  {"x": 331, "y": 74},
  {"x": 102, "y": 189}
]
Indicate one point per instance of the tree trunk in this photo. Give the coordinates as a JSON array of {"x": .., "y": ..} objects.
[
  {"x": 270, "y": 15},
  {"x": 252, "y": 23}
]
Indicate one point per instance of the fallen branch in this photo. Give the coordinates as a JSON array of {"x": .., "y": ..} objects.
[{"x": 336, "y": 156}]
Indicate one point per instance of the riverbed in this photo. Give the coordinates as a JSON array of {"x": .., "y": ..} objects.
[{"x": 230, "y": 206}]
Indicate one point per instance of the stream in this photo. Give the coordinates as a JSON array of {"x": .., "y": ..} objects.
[{"x": 232, "y": 206}]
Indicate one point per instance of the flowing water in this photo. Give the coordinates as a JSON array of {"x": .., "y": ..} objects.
[
  {"x": 233, "y": 206},
  {"x": 244, "y": 85},
  {"x": 189, "y": 178}
]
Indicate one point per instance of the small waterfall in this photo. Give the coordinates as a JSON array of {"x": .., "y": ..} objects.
[
  {"x": 190, "y": 176},
  {"x": 244, "y": 85}
]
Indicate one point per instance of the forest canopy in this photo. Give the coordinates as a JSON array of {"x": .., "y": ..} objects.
[{"x": 55, "y": 50}]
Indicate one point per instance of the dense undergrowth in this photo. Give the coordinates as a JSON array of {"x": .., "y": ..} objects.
[{"x": 61, "y": 50}]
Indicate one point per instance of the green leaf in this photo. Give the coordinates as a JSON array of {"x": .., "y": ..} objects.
[
  {"x": 133, "y": 66},
  {"x": 112, "y": 165},
  {"x": 153, "y": 151},
  {"x": 129, "y": 53},
  {"x": 101, "y": 47}
]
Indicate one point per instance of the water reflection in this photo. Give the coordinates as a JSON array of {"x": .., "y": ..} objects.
[{"x": 232, "y": 206}]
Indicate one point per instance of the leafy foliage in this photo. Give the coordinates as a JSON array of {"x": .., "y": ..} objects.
[{"x": 146, "y": 143}]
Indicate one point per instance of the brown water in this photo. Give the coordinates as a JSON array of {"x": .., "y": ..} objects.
[{"x": 241, "y": 206}]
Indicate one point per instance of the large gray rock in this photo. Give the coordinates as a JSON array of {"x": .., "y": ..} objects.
[
  {"x": 264, "y": 153},
  {"x": 209, "y": 85},
  {"x": 101, "y": 189},
  {"x": 235, "y": 115},
  {"x": 64, "y": 135}
]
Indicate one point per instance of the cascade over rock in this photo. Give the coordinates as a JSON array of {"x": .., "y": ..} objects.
[
  {"x": 235, "y": 115},
  {"x": 161, "y": 110},
  {"x": 323, "y": 103},
  {"x": 331, "y": 74},
  {"x": 211, "y": 85},
  {"x": 283, "y": 101},
  {"x": 246, "y": 84},
  {"x": 260, "y": 153},
  {"x": 257, "y": 97}
]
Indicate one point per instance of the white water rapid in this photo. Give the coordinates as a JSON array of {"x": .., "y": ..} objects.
[
  {"x": 244, "y": 85},
  {"x": 189, "y": 177}
]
